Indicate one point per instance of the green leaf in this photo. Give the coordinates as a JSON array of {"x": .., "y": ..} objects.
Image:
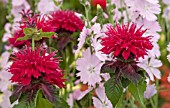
[
  {"x": 21, "y": 105},
  {"x": 26, "y": 37},
  {"x": 29, "y": 31},
  {"x": 119, "y": 104},
  {"x": 61, "y": 103},
  {"x": 130, "y": 72},
  {"x": 125, "y": 82},
  {"x": 47, "y": 34},
  {"x": 24, "y": 104},
  {"x": 138, "y": 91},
  {"x": 113, "y": 90},
  {"x": 16, "y": 93},
  {"x": 41, "y": 102}
]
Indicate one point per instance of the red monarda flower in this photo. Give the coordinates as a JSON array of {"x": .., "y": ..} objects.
[
  {"x": 126, "y": 41},
  {"x": 102, "y": 3},
  {"x": 29, "y": 65},
  {"x": 65, "y": 20},
  {"x": 13, "y": 41},
  {"x": 38, "y": 22}
]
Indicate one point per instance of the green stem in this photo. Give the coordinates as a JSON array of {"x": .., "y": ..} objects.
[
  {"x": 152, "y": 103},
  {"x": 132, "y": 102},
  {"x": 33, "y": 44},
  {"x": 87, "y": 16},
  {"x": 156, "y": 97},
  {"x": 111, "y": 13}
]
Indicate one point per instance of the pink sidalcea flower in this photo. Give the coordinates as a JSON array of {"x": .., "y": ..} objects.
[
  {"x": 102, "y": 100},
  {"x": 89, "y": 66},
  {"x": 150, "y": 91},
  {"x": 46, "y": 6},
  {"x": 146, "y": 9},
  {"x": 150, "y": 66}
]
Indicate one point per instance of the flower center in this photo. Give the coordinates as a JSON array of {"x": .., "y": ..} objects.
[
  {"x": 91, "y": 69},
  {"x": 105, "y": 105}
]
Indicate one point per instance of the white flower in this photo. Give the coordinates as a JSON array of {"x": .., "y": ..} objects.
[
  {"x": 168, "y": 57},
  {"x": 102, "y": 100},
  {"x": 70, "y": 100},
  {"x": 166, "y": 2},
  {"x": 150, "y": 66},
  {"x": 117, "y": 14},
  {"x": 85, "y": 32},
  {"x": 89, "y": 66},
  {"x": 18, "y": 7},
  {"x": 155, "y": 52},
  {"x": 4, "y": 75},
  {"x": 146, "y": 9},
  {"x": 169, "y": 78},
  {"x": 7, "y": 35},
  {"x": 83, "y": 93},
  {"x": 153, "y": 1},
  {"x": 168, "y": 48},
  {"x": 96, "y": 43},
  {"x": 18, "y": 3},
  {"x": 46, "y": 6},
  {"x": 96, "y": 28},
  {"x": 150, "y": 91},
  {"x": 151, "y": 26},
  {"x": 94, "y": 19},
  {"x": 6, "y": 102}
]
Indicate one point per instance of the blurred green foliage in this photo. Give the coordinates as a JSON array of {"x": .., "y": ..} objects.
[{"x": 3, "y": 20}]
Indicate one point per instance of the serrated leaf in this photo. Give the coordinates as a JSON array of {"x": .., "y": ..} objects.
[
  {"x": 23, "y": 104},
  {"x": 138, "y": 91},
  {"x": 37, "y": 37},
  {"x": 26, "y": 37},
  {"x": 125, "y": 82},
  {"x": 61, "y": 103},
  {"x": 113, "y": 90},
  {"x": 51, "y": 93},
  {"x": 29, "y": 31},
  {"x": 47, "y": 34},
  {"x": 119, "y": 104},
  {"x": 16, "y": 94},
  {"x": 20, "y": 105},
  {"x": 41, "y": 102},
  {"x": 129, "y": 72}
]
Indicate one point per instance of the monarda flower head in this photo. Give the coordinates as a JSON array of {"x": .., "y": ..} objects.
[
  {"x": 29, "y": 21},
  {"x": 102, "y": 3},
  {"x": 29, "y": 65},
  {"x": 65, "y": 20},
  {"x": 126, "y": 41},
  {"x": 13, "y": 40}
]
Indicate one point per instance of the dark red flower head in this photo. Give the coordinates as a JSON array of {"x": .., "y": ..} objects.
[
  {"x": 126, "y": 41},
  {"x": 29, "y": 65},
  {"x": 19, "y": 44},
  {"x": 102, "y": 3},
  {"x": 65, "y": 20},
  {"x": 36, "y": 21}
]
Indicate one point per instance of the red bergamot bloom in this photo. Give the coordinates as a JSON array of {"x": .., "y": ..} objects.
[
  {"x": 13, "y": 40},
  {"x": 126, "y": 41},
  {"x": 65, "y": 20},
  {"x": 36, "y": 21},
  {"x": 29, "y": 65},
  {"x": 102, "y": 3}
]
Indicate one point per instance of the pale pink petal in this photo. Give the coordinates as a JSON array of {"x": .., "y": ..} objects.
[
  {"x": 97, "y": 103},
  {"x": 150, "y": 91},
  {"x": 84, "y": 93}
]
